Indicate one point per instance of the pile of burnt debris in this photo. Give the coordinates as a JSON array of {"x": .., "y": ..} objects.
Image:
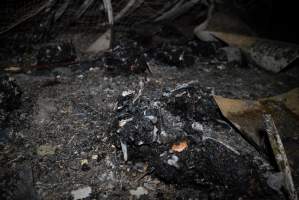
[
  {"x": 133, "y": 54},
  {"x": 181, "y": 136},
  {"x": 137, "y": 54}
]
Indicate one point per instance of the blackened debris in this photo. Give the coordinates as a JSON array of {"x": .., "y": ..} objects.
[
  {"x": 127, "y": 56},
  {"x": 192, "y": 103},
  {"x": 186, "y": 52},
  {"x": 56, "y": 53},
  {"x": 147, "y": 116},
  {"x": 9, "y": 97},
  {"x": 173, "y": 55},
  {"x": 131, "y": 55},
  {"x": 148, "y": 128}
]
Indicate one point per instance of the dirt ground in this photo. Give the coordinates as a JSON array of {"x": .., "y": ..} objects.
[{"x": 60, "y": 138}]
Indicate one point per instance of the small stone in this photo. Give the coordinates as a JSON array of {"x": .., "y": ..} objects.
[
  {"x": 140, "y": 167},
  {"x": 221, "y": 67},
  {"x": 197, "y": 126},
  {"x": 179, "y": 147},
  {"x": 84, "y": 161},
  {"x": 94, "y": 157},
  {"x": 140, "y": 191},
  {"x": 81, "y": 193},
  {"x": 124, "y": 121},
  {"x": 153, "y": 119},
  {"x": 173, "y": 161},
  {"x": 80, "y": 76},
  {"x": 127, "y": 93}
]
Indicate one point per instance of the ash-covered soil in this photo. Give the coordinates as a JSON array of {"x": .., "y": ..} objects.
[{"x": 62, "y": 137}]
